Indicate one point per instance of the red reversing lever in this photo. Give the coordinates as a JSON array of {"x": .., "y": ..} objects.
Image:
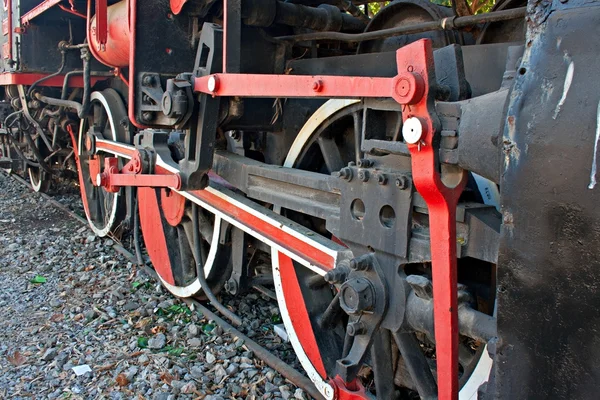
[{"x": 417, "y": 81}]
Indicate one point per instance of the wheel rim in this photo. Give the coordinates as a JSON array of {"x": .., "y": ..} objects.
[
  {"x": 103, "y": 210},
  {"x": 37, "y": 179},
  {"x": 301, "y": 333}
]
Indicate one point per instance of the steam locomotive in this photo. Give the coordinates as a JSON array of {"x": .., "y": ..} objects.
[{"x": 418, "y": 184}]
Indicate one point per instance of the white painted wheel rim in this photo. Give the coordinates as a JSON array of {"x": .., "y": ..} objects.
[
  {"x": 36, "y": 182},
  {"x": 490, "y": 194},
  {"x": 105, "y": 230}
]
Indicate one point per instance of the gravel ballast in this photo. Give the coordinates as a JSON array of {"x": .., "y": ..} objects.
[{"x": 79, "y": 321}]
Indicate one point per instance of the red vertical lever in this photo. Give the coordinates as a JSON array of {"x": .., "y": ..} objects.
[
  {"x": 101, "y": 23},
  {"x": 415, "y": 87}
]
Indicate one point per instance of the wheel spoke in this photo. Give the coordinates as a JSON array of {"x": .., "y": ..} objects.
[
  {"x": 381, "y": 356},
  {"x": 331, "y": 154},
  {"x": 358, "y": 128},
  {"x": 416, "y": 364}
]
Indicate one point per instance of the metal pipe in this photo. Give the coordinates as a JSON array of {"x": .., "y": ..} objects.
[
  {"x": 63, "y": 63},
  {"x": 87, "y": 83},
  {"x": 472, "y": 323},
  {"x": 201, "y": 274},
  {"x": 449, "y": 23},
  {"x": 272, "y": 361},
  {"x": 58, "y": 102}
]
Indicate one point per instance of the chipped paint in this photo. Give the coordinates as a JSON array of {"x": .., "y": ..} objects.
[
  {"x": 594, "y": 160},
  {"x": 548, "y": 89},
  {"x": 509, "y": 145},
  {"x": 567, "y": 86}
]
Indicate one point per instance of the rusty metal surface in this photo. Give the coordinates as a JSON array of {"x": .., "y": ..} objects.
[{"x": 548, "y": 280}]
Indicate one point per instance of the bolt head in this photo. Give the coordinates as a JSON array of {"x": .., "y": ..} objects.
[
  {"x": 412, "y": 130},
  {"x": 148, "y": 80},
  {"x": 363, "y": 175},
  {"x": 356, "y": 328},
  {"x": 402, "y": 182},
  {"x": 213, "y": 84},
  {"x": 346, "y": 174},
  {"x": 147, "y": 116},
  {"x": 357, "y": 295},
  {"x": 317, "y": 86},
  {"x": 382, "y": 179}
]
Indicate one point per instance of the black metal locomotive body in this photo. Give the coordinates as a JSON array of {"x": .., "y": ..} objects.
[{"x": 417, "y": 185}]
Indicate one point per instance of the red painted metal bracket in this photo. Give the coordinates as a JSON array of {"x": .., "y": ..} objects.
[{"x": 131, "y": 175}]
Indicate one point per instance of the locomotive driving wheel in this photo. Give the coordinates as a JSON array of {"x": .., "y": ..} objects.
[
  {"x": 318, "y": 330},
  {"x": 104, "y": 211}
]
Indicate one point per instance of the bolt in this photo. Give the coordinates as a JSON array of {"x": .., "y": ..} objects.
[
  {"x": 382, "y": 179},
  {"x": 346, "y": 174},
  {"x": 356, "y": 328},
  {"x": 148, "y": 80},
  {"x": 147, "y": 116},
  {"x": 364, "y": 163},
  {"x": 402, "y": 182},
  {"x": 363, "y": 175},
  {"x": 352, "y": 164},
  {"x": 360, "y": 263},
  {"x": 337, "y": 275},
  {"x": 231, "y": 286},
  {"x": 317, "y": 86}
]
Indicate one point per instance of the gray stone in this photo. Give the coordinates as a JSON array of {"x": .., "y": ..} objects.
[
  {"x": 269, "y": 387},
  {"x": 285, "y": 392},
  {"x": 197, "y": 372},
  {"x": 299, "y": 394},
  {"x": 210, "y": 358},
  {"x": 49, "y": 354},
  {"x": 232, "y": 369},
  {"x": 158, "y": 341}
]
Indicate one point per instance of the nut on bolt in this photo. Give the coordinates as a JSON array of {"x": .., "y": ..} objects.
[
  {"x": 356, "y": 328},
  {"x": 317, "y": 85},
  {"x": 357, "y": 295},
  {"x": 363, "y": 175},
  {"x": 148, "y": 80},
  {"x": 364, "y": 163},
  {"x": 337, "y": 275},
  {"x": 402, "y": 182},
  {"x": 382, "y": 179},
  {"x": 147, "y": 116},
  {"x": 346, "y": 174},
  {"x": 360, "y": 263}
]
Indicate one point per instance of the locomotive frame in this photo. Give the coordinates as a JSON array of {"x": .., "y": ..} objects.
[{"x": 370, "y": 175}]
